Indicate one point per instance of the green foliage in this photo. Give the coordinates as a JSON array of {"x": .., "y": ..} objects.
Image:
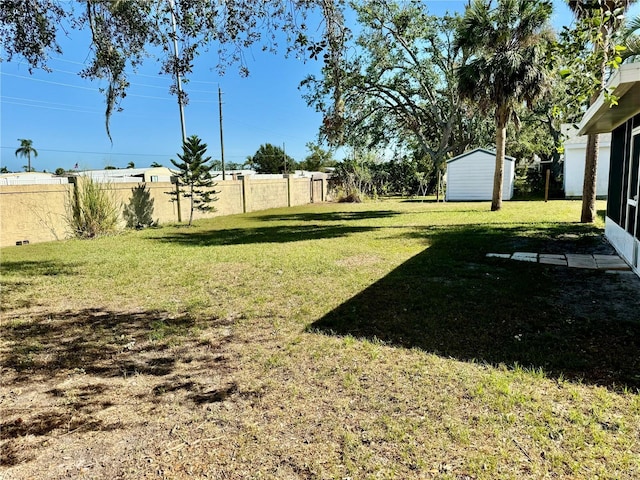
[
  {"x": 584, "y": 54},
  {"x": 92, "y": 210},
  {"x": 400, "y": 90},
  {"x": 25, "y": 151},
  {"x": 59, "y": 171},
  {"x": 507, "y": 66},
  {"x": 139, "y": 212},
  {"x": 194, "y": 173},
  {"x": 317, "y": 159},
  {"x": 586, "y": 50},
  {"x": 353, "y": 180},
  {"x": 506, "y": 48},
  {"x": 631, "y": 41},
  {"x": 271, "y": 159}
]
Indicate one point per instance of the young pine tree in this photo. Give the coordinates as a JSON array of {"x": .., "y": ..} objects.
[{"x": 194, "y": 174}]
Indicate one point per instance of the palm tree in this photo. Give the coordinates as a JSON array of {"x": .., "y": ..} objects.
[
  {"x": 25, "y": 151},
  {"x": 631, "y": 38},
  {"x": 504, "y": 44},
  {"x": 605, "y": 21}
]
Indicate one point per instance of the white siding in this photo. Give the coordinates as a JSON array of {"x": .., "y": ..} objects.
[
  {"x": 470, "y": 177},
  {"x": 574, "y": 154},
  {"x": 626, "y": 246}
]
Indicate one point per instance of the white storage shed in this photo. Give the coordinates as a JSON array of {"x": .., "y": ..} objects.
[
  {"x": 470, "y": 176},
  {"x": 575, "y": 147}
]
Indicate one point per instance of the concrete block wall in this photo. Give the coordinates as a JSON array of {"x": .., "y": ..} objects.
[
  {"x": 300, "y": 191},
  {"x": 37, "y": 213},
  {"x": 262, "y": 194}
]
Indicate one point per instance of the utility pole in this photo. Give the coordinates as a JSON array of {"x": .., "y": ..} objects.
[
  {"x": 284, "y": 157},
  {"x": 180, "y": 95},
  {"x": 221, "y": 135},
  {"x": 177, "y": 73}
]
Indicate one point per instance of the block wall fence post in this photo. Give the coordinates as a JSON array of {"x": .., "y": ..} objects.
[{"x": 245, "y": 193}]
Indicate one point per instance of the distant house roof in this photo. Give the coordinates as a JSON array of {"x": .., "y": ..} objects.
[
  {"x": 30, "y": 178},
  {"x": 126, "y": 172},
  {"x": 482, "y": 150},
  {"x": 604, "y": 117}
]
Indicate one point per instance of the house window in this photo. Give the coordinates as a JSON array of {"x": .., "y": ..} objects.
[
  {"x": 154, "y": 178},
  {"x": 617, "y": 199},
  {"x": 633, "y": 219}
]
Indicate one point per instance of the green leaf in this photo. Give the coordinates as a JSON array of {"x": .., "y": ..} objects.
[{"x": 565, "y": 72}]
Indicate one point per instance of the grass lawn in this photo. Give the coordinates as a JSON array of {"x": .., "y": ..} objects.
[{"x": 328, "y": 341}]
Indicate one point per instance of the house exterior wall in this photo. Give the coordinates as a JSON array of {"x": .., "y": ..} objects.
[
  {"x": 470, "y": 177},
  {"x": 573, "y": 172},
  {"x": 622, "y": 227}
]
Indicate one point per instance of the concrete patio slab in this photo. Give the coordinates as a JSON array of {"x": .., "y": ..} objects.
[
  {"x": 525, "y": 257},
  {"x": 553, "y": 259},
  {"x": 611, "y": 262},
  {"x": 498, "y": 255},
  {"x": 581, "y": 261}
]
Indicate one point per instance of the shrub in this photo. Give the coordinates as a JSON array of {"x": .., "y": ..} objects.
[{"x": 92, "y": 209}]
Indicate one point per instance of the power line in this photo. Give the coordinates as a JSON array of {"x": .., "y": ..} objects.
[
  {"x": 92, "y": 112},
  {"x": 135, "y": 73},
  {"x": 46, "y": 81},
  {"x": 3, "y": 97},
  {"x": 54, "y": 106},
  {"x": 101, "y": 153},
  {"x": 93, "y": 89}
]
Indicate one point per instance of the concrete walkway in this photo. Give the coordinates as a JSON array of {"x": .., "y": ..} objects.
[{"x": 573, "y": 260}]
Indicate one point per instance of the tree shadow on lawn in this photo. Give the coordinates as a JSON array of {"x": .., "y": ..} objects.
[
  {"x": 75, "y": 362},
  {"x": 95, "y": 341},
  {"x": 11, "y": 285},
  {"x": 245, "y": 236},
  {"x": 453, "y": 301},
  {"x": 40, "y": 267},
  {"x": 332, "y": 216}
]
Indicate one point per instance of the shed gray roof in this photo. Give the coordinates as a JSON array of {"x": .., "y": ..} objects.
[{"x": 483, "y": 150}]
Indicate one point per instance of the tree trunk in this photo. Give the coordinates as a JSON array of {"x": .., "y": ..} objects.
[
  {"x": 191, "y": 209},
  {"x": 498, "y": 176},
  {"x": 589, "y": 185}
]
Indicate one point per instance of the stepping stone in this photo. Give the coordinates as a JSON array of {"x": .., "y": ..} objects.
[
  {"x": 525, "y": 257},
  {"x": 581, "y": 261},
  {"x": 553, "y": 259},
  {"x": 499, "y": 255},
  {"x": 611, "y": 262}
]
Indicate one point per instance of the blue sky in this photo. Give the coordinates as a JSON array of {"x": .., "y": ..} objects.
[{"x": 64, "y": 115}]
